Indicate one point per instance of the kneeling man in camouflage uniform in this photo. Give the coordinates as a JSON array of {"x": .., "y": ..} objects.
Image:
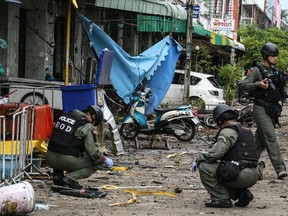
[{"x": 230, "y": 167}]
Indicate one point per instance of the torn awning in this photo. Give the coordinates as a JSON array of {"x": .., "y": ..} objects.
[{"x": 127, "y": 72}]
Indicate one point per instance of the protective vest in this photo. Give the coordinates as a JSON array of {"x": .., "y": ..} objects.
[
  {"x": 63, "y": 139},
  {"x": 275, "y": 91},
  {"x": 244, "y": 148}
]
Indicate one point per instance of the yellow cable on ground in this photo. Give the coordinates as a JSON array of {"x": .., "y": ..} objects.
[
  {"x": 118, "y": 168},
  {"x": 160, "y": 193},
  {"x": 176, "y": 154},
  {"x": 137, "y": 192},
  {"x": 130, "y": 201}
]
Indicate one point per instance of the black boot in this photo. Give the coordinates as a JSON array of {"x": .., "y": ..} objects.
[
  {"x": 68, "y": 182},
  {"x": 219, "y": 203},
  {"x": 244, "y": 199},
  {"x": 57, "y": 177}
]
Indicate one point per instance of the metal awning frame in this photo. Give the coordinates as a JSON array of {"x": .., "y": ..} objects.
[{"x": 161, "y": 8}]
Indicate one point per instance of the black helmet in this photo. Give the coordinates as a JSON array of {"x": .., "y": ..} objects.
[
  {"x": 95, "y": 110},
  {"x": 219, "y": 110},
  {"x": 269, "y": 49}
]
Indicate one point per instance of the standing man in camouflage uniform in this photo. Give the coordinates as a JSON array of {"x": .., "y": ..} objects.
[{"x": 264, "y": 83}]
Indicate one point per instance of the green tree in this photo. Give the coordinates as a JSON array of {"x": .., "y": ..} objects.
[
  {"x": 284, "y": 18},
  {"x": 254, "y": 38},
  {"x": 202, "y": 58},
  {"x": 204, "y": 61},
  {"x": 228, "y": 76}
]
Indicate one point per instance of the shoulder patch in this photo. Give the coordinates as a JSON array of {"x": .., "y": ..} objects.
[
  {"x": 222, "y": 138},
  {"x": 249, "y": 71}
]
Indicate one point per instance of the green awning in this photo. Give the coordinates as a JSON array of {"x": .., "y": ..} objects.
[
  {"x": 146, "y": 23},
  {"x": 219, "y": 40},
  {"x": 152, "y": 7},
  {"x": 161, "y": 16},
  {"x": 199, "y": 29}
]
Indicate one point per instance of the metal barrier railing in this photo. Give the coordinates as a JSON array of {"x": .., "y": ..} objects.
[
  {"x": 33, "y": 93},
  {"x": 2, "y": 139},
  {"x": 19, "y": 157}
]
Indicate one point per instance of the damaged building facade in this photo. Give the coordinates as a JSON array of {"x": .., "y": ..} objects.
[{"x": 37, "y": 38}]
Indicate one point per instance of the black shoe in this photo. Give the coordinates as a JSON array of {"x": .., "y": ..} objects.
[
  {"x": 219, "y": 203},
  {"x": 57, "y": 178},
  {"x": 282, "y": 174},
  {"x": 245, "y": 198},
  {"x": 68, "y": 182},
  {"x": 236, "y": 195}
]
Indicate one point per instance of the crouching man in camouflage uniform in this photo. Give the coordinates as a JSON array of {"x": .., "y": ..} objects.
[
  {"x": 73, "y": 148},
  {"x": 230, "y": 167}
]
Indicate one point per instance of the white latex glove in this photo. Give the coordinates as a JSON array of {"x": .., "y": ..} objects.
[
  {"x": 109, "y": 162},
  {"x": 194, "y": 167}
]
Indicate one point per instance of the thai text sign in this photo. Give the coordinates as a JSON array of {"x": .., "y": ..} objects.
[{"x": 223, "y": 24}]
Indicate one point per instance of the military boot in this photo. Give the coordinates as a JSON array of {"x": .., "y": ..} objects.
[
  {"x": 244, "y": 199},
  {"x": 57, "y": 177},
  {"x": 69, "y": 182}
]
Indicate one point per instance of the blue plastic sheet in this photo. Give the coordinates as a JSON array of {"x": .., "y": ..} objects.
[{"x": 154, "y": 67}]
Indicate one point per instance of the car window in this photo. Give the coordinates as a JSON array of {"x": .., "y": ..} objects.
[
  {"x": 194, "y": 80},
  {"x": 178, "y": 79},
  {"x": 214, "y": 82}
]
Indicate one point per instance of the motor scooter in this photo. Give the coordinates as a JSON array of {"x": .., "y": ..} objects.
[
  {"x": 178, "y": 121},
  {"x": 243, "y": 115}
]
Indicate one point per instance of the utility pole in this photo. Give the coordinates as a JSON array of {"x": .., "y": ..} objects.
[
  {"x": 190, "y": 5},
  {"x": 68, "y": 22}
]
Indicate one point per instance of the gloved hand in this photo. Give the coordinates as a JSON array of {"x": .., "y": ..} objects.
[
  {"x": 194, "y": 166},
  {"x": 109, "y": 162}
]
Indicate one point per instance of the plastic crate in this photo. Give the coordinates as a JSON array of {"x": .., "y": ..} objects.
[{"x": 78, "y": 96}]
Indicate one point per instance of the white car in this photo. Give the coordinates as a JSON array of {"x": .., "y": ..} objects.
[{"x": 205, "y": 91}]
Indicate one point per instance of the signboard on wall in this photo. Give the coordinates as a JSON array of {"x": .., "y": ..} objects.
[
  {"x": 223, "y": 24},
  {"x": 196, "y": 11}
]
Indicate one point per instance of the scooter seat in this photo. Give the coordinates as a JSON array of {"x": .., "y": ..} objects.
[{"x": 161, "y": 110}]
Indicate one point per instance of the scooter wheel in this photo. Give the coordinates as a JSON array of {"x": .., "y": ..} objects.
[
  {"x": 189, "y": 129},
  {"x": 244, "y": 99},
  {"x": 129, "y": 130},
  {"x": 209, "y": 122}
]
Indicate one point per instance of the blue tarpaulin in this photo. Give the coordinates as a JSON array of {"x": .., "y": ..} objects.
[{"x": 154, "y": 67}]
